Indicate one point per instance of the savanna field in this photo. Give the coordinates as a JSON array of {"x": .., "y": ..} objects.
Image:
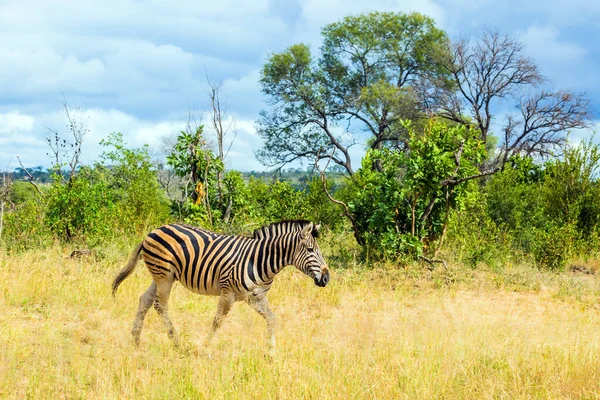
[
  {"x": 438, "y": 158},
  {"x": 388, "y": 332}
]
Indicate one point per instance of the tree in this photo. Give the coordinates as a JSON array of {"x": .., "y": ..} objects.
[
  {"x": 493, "y": 68},
  {"x": 364, "y": 81},
  {"x": 133, "y": 184},
  {"x": 406, "y": 205},
  {"x": 193, "y": 161},
  {"x": 5, "y": 191},
  {"x": 222, "y": 128},
  {"x": 64, "y": 151}
]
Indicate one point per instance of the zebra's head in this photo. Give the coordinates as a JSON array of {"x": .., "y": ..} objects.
[{"x": 308, "y": 257}]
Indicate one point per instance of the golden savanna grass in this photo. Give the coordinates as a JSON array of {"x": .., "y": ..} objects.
[{"x": 389, "y": 333}]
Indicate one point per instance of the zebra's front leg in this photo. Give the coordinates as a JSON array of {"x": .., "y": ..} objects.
[
  {"x": 226, "y": 301},
  {"x": 261, "y": 305}
]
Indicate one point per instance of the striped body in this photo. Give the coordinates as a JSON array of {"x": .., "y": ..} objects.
[
  {"x": 232, "y": 267},
  {"x": 206, "y": 262}
]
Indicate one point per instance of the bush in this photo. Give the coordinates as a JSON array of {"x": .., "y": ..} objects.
[
  {"x": 554, "y": 246},
  {"x": 81, "y": 210},
  {"x": 551, "y": 210},
  {"x": 474, "y": 238},
  {"x": 137, "y": 200},
  {"x": 24, "y": 227},
  {"x": 402, "y": 199},
  {"x": 275, "y": 201}
]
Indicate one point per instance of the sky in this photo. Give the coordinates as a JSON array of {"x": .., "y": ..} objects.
[{"x": 139, "y": 67}]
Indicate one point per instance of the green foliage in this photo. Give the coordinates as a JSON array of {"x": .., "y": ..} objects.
[
  {"x": 403, "y": 207},
  {"x": 474, "y": 238},
  {"x": 191, "y": 159},
  {"x": 318, "y": 206},
  {"x": 377, "y": 54},
  {"x": 572, "y": 189},
  {"x": 515, "y": 197},
  {"x": 551, "y": 210},
  {"x": 367, "y": 77},
  {"x": 197, "y": 165},
  {"x": 79, "y": 210},
  {"x": 24, "y": 227},
  {"x": 275, "y": 201},
  {"x": 237, "y": 197},
  {"x": 132, "y": 182},
  {"x": 22, "y": 192},
  {"x": 119, "y": 196},
  {"x": 553, "y": 246}
]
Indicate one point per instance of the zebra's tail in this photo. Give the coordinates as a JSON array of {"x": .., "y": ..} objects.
[{"x": 125, "y": 272}]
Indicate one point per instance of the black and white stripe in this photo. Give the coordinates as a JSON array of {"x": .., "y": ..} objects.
[{"x": 233, "y": 267}]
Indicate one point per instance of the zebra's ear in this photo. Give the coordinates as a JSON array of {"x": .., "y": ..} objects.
[
  {"x": 307, "y": 230},
  {"x": 316, "y": 228}
]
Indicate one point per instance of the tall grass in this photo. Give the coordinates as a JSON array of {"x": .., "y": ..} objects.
[{"x": 386, "y": 333}]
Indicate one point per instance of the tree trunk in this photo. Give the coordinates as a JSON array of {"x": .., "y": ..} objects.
[
  {"x": 445, "y": 226},
  {"x": 1, "y": 219}
]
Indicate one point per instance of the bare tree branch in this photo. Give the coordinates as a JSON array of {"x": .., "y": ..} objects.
[
  {"x": 544, "y": 117},
  {"x": 494, "y": 68},
  {"x": 448, "y": 182},
  {"x": 63, "y": 149},
  {"x": 31, "y": 179}
]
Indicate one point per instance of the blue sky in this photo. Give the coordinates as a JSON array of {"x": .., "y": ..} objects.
[{"x": 139, "y": 66}]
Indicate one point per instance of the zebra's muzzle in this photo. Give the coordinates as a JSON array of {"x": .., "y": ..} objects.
[{"x": 323, "y": 280}]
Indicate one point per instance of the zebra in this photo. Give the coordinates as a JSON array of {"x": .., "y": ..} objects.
[{"x": 236, "y": 268}]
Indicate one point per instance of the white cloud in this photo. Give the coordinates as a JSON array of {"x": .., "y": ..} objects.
[
  {"x": 14, "y": 123},
  {"x": 23, "y": 136},
  {"x": 565, "y": 63},
  {"x": 319, "y": 12},
  {"x": 136, "y": 66},
  {"x": 544, "y": 44}
]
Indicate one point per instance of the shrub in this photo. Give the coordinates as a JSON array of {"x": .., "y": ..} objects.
[{"x": 24, "y": 227}]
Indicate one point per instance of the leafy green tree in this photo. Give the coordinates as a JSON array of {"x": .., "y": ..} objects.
[
  {"x": 403, "y": 208},
  {"x": 319, "y": 208},
  {"x": 237, "y": 198},
  {"x": 133, "y": 185},
  {"x": 24, "y": 227},
  {"x": 275, "y": 201},
  {"x": 80, "y": 210},
  {"x": 197, "y": 164},
  {"x": 551, "y": 210},
  {"x": 373, "y": 72}
]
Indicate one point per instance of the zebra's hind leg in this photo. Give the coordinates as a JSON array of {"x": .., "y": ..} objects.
[
  {"x": 226, "y": 301},
  {"x": 261, "y": 305},
  {"x": 161, "y": 304},
  {"x": 146, "y": 301}
]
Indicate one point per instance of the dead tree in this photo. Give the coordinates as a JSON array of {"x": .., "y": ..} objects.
[
  {"x": 492, "y": 69},
  {"x": 223, "y": 127},
  {"x": 5, "y": 191},
  {"x": 66, "y": 151}
]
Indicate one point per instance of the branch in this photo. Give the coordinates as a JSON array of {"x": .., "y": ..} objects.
[
  {"x": 30, "y": 178},
  {"x": 431, "y": 262},
  {"x": 347, "y": 212},
  {"x": 429, "y": 207},
  {"x": 454, "y": 182}
]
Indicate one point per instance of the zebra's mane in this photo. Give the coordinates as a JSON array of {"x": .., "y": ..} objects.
[{"x": 283, "y": 226}]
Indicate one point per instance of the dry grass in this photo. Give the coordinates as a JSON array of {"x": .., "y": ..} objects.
[{"x": 373, "y": 334}]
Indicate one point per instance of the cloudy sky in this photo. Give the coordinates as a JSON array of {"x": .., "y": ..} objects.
[{"x": 139, "y": 66}]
